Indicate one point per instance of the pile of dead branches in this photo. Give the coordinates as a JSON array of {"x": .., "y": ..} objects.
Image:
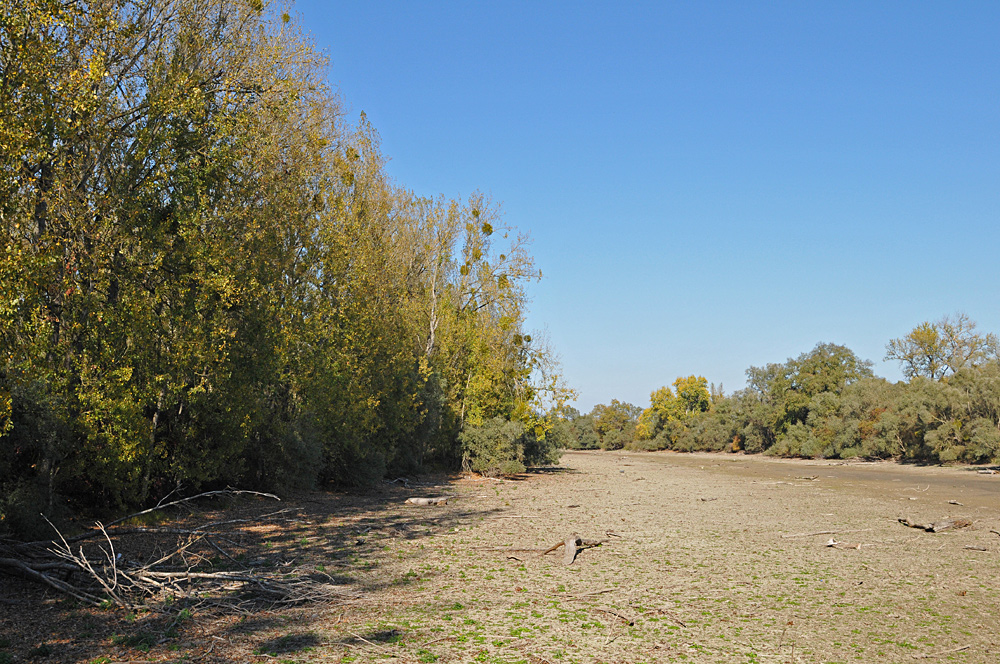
[{"x": 97, "y": 568}]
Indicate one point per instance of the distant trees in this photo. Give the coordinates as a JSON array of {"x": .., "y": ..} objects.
[
  {"x": 207, "y": 277},
  {"x": 615, "y": 423},
  {"x": 779, "y": 396},
  {"x": 573, "y": 430},
  {"x": 669, "y": 408},
  {"x": 828, "y": 403}
]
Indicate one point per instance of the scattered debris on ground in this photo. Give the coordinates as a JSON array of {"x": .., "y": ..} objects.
[{"x": 937, "y": 526}]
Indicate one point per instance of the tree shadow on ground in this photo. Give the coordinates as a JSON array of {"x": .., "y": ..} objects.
[
  {"x": 289, "y": 643},
  {"x": 330, "y": 537}
]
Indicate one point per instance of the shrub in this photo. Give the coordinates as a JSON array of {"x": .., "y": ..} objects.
[{"x": 496, "y": 448}]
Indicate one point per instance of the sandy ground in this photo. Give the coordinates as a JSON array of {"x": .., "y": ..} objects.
[{"x": 705, "y": 558}]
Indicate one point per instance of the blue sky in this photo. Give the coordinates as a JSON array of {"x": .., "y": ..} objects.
[{"x": 708, "y": 185}]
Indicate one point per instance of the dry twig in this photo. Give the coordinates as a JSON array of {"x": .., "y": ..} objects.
[
  {"x": 937, "y": 526},
  {"x": 940, "y": 653},
  {"x": 98, "y": 572},
  {"x": 827, "y": 532}
]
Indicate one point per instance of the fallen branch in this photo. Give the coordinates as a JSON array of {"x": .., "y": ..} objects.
[
  {"x": 591, "y": 594},
  {"x": 364, "y": 640},
  {"x": 940, "y": 653},
  {"x": 937, "y": 526},
  {"x": 574, "y": 544},
  {"x": 95, "y": 572},
  {"x": 667, "y": 613},
  {"x": 512, "y": 516},
  {"x": 616, "y": 613},
  {"x": 98, "y": 530},
  {"x": 206, "y": 494},
  {"x": 570, "y": 550},
  {"x": 21, "y": 568},
  {"x": 841, "y": 545},
  {"x": 827, "y": 532}
]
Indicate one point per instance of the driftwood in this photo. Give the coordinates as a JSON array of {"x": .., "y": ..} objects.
[
  {"x": 937, "y": 526},
  {"x": 841, "y": 545},
  {"x": 827, "y": 532},
  {"x": 574, "y": 544},
  {"x": 101, "y": 572},
  {"x": 940, "y": 653},
  {"x": 440, "y": 500}
]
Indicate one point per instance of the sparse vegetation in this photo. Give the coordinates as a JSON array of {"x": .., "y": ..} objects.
[{"x": 707, "y": 556}]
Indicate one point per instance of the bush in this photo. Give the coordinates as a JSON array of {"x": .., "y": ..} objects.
[
  {"x": 494, "y": 449},
  {"x": 540, "y": 450}
]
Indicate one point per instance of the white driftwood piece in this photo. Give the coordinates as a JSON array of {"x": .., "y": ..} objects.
[{"x": 427, "y": 501}]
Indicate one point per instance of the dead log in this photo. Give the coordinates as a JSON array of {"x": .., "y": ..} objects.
[
  {"x": 95, "y": 572},
  {"x": 937, "y": 526},
  {"x": 441, "y": 500},
  {"x": 574, "y": 544},
  {"x": 553, "y": 548},
  {"x": 569, "y": 552}
]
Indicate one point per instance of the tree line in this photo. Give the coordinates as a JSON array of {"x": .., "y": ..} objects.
[
  {"x": 208, "y": 278},
  {"x": 827, "y": 402}
]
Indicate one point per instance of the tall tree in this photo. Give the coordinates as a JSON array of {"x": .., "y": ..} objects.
[
  {"x": 935, "y": 350},
  {"x": 206, "y": 276}
]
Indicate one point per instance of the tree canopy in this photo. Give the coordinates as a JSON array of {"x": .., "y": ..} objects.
[
  {"x": 828, "y": 403},
  {"x": 207, "y": 276},
  {"x": 935, "y": 350}
]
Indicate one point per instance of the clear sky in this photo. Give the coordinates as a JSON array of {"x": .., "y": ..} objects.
[{"x": 708, "y": 185}]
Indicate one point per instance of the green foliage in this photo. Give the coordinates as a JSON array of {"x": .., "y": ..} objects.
[
  {"x": 207, "y": 278},
  {"x": 495, "y": 448},
  {"x": 689, "y": 397},
  {"x": 826, "y": 403},
  {"x": 615, "y": 423},
  {"x": 572, "y": 430},
  {"x": 504, "y": 447},
  {"x": 935, "y": 350}
]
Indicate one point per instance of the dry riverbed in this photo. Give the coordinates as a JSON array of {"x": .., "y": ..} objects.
[{"x": 706, "y": 558}]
